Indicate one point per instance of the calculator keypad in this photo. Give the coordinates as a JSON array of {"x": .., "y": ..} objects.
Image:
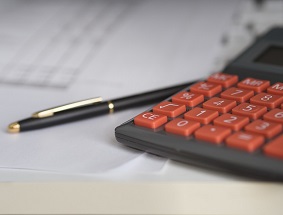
[{"x": 245, "y": 115}]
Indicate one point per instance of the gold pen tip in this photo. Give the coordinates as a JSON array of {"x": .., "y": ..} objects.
[{"x": 14, "y": 127}]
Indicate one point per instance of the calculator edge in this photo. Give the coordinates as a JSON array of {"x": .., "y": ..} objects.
[{"x": 205, "y": 154}]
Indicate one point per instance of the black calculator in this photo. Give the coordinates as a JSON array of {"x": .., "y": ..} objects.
[{"x": 231, "y": 120}]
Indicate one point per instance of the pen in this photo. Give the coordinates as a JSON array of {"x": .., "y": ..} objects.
[{"x": 90, "y": 108}]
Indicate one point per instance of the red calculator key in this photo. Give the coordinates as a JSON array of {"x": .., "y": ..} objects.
[
  {"x": 201, "y": 115},
  {"x": 256, "y": 85},
  {"x": 250, "y": 110},
  {"x": 150, "y": 120},
  {"x": 274, "y": 148},
  {"x": 275, "y": 115},
  {"x": 205, "y": 88},
  {"x": 188, "y": 98},
  {"x": 239, "y": 95},
  {"x": 276, "y": 89},
  {"x": 245, "y": 141},
  {"x": 225, "y": 80},
  {"x": 181, "y": 126},
  {"x": 268, "y": 129},
  {"x": 212, "y": 133},
  {"x": 268, "y": 100},
  {"x": 219, "y": 104},
  {"x": 169, "y": 109},
  {"x": 231, "y": 121}
]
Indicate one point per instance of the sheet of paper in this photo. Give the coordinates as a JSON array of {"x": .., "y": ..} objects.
[{"x": 55, "y": 52}]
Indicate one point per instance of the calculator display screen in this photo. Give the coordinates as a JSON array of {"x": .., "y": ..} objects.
[{"x": 272, "y": 56}]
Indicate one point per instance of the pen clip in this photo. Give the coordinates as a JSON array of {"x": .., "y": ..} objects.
[{"x": 52, "y": 111}]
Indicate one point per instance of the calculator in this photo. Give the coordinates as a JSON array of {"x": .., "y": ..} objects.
[{"x": 231, "y": 120}]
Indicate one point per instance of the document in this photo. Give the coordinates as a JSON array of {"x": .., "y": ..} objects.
[{"x": 56, "y": 52}]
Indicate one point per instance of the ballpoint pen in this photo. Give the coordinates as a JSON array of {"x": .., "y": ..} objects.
[{"x": 90, "y": 108}]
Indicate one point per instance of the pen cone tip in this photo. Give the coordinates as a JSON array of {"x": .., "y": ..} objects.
[{"x": 14, "y": 127}]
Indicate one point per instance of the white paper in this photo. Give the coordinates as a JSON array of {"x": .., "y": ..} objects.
[{"x": 56, "y": 52}]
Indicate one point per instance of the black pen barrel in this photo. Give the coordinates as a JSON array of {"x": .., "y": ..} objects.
[
  {"x": 65, "y": 117},
  {"x": 146, "y": 98},
  {"x": 99, "y": 108}
]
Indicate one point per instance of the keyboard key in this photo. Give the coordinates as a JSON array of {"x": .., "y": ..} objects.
[
  {"x": 276, "y": 89},
  {"x": 239, "y": 95},
  {"x": 181, "y": 126},
  {"x": 205, "y": 88},
  {"x": 231, "y": 121},
  {"x": 274, "y": 148},
  {"x": 225, "y": 80},
  {"x": 219, "y": 104},
  {"x": 150, "y": 120},
  {"x": 250, "y": 110},
  {"x": 245, "y": 141},
  {"x": 201, "y": 115},
  {"x": 169, "y": 109},
  {"x": 275, "y": 115},
  {"x": 256, "y": 85},
  {"x": 188, "y": 98},
  {"x": 212, "y": 133},
  {"x": 268, "y": 129},
  {"x": 268, "y": 100}
]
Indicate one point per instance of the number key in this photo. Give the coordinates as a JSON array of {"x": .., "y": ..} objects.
[
  {"x": 181, "y": 126},
  {"x": 239, "y": 95},
  {"x": 268, "y": 100},
  {"x": 275, "y": 115},
  {"x": 231, "y": 121},
  {"x": 250, "y": 110},
  {"x": 201, "y": 115},
  {"x": 268, "y": 129}
]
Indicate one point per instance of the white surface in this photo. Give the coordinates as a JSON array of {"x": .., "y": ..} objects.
[{"x": 77, "y": 50}]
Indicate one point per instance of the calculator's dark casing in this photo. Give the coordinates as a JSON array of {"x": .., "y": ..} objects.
[{"x": 193, "y": 151}]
